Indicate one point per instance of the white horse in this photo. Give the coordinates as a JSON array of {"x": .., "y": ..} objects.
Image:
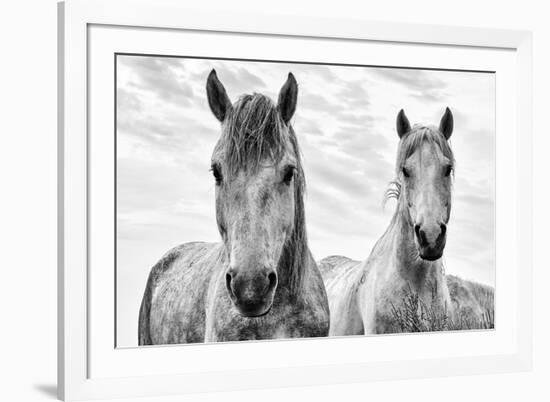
[{"x": 402, "y": 285}]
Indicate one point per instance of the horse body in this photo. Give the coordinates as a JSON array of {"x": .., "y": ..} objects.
[
  {"x": 343, "y": 278},
  {"x": 173, "y": 306},
  {"x": 188, "y": 303},
  {"x": 473, "y": 303},
  {"x": 260, "y": 282}
]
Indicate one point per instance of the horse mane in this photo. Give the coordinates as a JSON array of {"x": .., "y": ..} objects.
[
  {"x": 408, "y": 145},
  {"x": 254, "y": 132}
]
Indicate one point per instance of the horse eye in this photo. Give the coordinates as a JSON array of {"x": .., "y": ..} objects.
[
  {"x": 448, "y": 171},
  {"x": 289, "y": 174},
  {"x": 405, "y": 172},
  {"x": 216, "y": 171}
]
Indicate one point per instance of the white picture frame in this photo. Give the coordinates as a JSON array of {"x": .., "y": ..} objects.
[{"x": 90, "y": 369}]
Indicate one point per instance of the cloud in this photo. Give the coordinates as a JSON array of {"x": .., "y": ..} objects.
[
  {"x": 160, "y": 76},
  {"x": 421, "y": 84},
  {"x": 359, "y": 118},
  {"x": 334, "y": 177},
  {"x": 324, "y": 72},
  {"x": 128, "y": 102},
  {"x": 318, "y": 103},
  {"x": 180, "y": 135},
  {"x": 360, "y": 141},
  {"x": 355, "y": 219},
  {"x": 232, "y": 78},
  {"x": 477, "y": 199},
  {"x": 354, "y": 94},
  {"x": 252, "y": 80},
  {"x": 307, "y": 127}
]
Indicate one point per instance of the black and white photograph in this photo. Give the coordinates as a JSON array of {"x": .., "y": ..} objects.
[
  {"x": 275, "y": 201},
  {"x": 269, "y": 200}
]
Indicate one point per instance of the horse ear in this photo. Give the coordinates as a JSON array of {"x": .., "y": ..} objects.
[
  {"x": 288, "y": 97},
  {"x": 402, "y": 124},
  {"x": 217, "y": 97},
  {"x": 447, "y": 123}
]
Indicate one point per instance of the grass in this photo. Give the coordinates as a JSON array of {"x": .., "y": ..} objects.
[
  {"x": 415, "y": 315},
  {"x": 466, "y": 320}
]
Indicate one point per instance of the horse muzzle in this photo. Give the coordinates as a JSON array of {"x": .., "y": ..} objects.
[
  {"x": 431, "y": 241},
  {"x": 251, "y": 293}
]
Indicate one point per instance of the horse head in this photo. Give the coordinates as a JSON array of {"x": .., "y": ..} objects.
[
  {"x": 425, "y": 164},
  {"x": 259, "y": 183}
]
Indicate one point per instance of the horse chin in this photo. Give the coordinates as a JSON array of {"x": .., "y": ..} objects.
[
  {"x": 254, "y": 312},
  {"x": 430, "y": 255}
]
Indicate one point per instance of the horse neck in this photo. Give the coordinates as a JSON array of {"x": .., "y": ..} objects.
[{"x": 419, "y": 274}]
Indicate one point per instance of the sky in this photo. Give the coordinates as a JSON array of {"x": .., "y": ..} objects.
[{"x": 345, "y": 125}]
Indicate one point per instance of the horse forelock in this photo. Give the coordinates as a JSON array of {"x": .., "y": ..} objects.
[
  {"x": 408, "y": 145},
  {"x": 254, "y": 133}
]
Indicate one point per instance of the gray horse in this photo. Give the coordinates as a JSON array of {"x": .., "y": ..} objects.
[{"x": 260, "y": 281}]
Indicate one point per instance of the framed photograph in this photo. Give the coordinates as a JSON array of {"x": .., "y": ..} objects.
[{"x": 254, "y": 201}]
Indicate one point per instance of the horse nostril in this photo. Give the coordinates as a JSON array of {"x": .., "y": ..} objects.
[
  {"x": 420, "y": 235},
  {"x": 272, "y": 277},
  {"x": 443, "y": 229}
]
